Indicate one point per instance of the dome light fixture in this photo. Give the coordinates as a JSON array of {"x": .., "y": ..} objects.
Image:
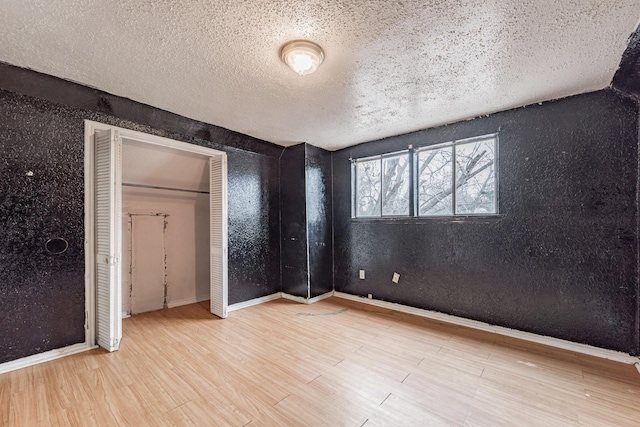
[{"x": 302, "y": 56}]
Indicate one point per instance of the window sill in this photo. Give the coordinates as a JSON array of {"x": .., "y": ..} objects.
[{"x": 427, "y": 219}]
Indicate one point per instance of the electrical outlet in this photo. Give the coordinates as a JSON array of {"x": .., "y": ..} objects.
[
  {"x": 369, "y": 296},
  {"x": 396, "y": 278},
  {"x": 361, "y": 274}
]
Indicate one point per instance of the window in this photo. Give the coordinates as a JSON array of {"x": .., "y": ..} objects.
[
  {"x": 382, "y": 185},
  {"x": 458, "y": 178},
  {"x": 455, "y": 178}
]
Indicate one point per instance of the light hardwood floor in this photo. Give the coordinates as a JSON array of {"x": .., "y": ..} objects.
[{"x": 333, "y": 363}]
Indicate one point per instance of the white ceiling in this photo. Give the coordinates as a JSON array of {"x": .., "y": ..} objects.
[
  {"x": 157, "y": 166},
  {"x": 391, "y": 67}
]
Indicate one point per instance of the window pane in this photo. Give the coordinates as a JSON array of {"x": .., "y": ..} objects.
[
  {"x": 435, "y": 171},
  {"x": 368, "y": 188},
  {"x": 475, "y": 178},
  {"x": 395, "y": 185}
]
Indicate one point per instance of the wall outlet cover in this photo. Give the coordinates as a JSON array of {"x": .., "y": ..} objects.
[
  {"x": 362, "y": 274},
  {"x": 369, "y": 296},
  {"x": 396, "y": 278}
]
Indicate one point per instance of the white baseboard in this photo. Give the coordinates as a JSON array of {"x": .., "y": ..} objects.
[
  {"x": 278, "y": 295},
  {"x": 301, "y": 300},
  {"x": 320, "y": 297},
  {"x": 187, "y": 301},
  {"x": 616, "y": 356},
  {"x": 255, "y": 301},
  {"x": 307, "y": 300},
  {"x": 44, "y": 357}
]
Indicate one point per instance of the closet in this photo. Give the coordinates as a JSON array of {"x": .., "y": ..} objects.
[
  {"x": 165, "y": 227},
  {"x": 156, "y": 227}
]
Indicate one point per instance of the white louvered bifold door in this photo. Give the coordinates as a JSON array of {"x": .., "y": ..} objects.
[
  {"x": 218, "y": 230},
  {"x": 108, "y": 149}
]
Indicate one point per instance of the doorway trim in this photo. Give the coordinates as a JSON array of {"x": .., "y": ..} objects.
[{"x": 89, "y": 204}]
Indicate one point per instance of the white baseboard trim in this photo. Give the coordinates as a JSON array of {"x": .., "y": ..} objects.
[
  {"x": 187, "y": 301},
  {"x": 301, "y": 300},
  {"x": 277, "y": 295},
  {"x": 44, "y": 357},
  {"x": 616, "y": 356},
  {"x": 307, "y": 300},
  {"x": 320, "y": 297},
  {"x": 255, "y": 301}
]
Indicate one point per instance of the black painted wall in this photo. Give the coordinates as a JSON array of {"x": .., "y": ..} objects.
[
  {"x": 320, "y": 219},
  {"x": 254, "y": 225},
  {"x": 560, "y": 259},
  {"x": 627, "y": 77},
  {"x": 627, "y": 81},
  {"x": 293, "y": 225},
  {"x": 42, "y": 295},
  {"x": 306, "y": 221}
]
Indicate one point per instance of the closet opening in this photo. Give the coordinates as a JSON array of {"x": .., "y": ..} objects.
[{"x": 156, "y": 227}]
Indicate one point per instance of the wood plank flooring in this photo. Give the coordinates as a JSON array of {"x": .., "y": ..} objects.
[{"x": 333, "y": 363}]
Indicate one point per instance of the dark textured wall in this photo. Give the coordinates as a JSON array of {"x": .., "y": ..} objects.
[
  {"x": 49, "y": 88},
  {"x": 42, "y": 295},
  {"x": 254, "y": 226},
  {"x": 561, "y": 259},
  {"x": 627, "y": 77},
  {"x": 306, "y": 221},
  {"x": 293, "y": 217},
  {"x": 319, "y": 219},
  {"x": 627, "y": 80}
]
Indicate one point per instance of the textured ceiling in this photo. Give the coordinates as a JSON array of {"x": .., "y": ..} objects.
[{"x": 391, "y": 67}]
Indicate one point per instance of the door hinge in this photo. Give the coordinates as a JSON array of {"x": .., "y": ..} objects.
[
  {"x": 110, "y": 260},
  {"x": 86, "y": 320}
]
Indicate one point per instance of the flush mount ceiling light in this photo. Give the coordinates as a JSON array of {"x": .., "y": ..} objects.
[{"x": 303, "y": 57}]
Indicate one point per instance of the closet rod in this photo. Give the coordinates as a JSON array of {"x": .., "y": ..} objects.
[{"x": 126, "y": 184}]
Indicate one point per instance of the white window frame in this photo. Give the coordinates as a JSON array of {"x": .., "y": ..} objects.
[
  {"x": 354, "y": 184},
  {"x": 414, "y": 202},
  {"x": 453, "y": 145}
]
